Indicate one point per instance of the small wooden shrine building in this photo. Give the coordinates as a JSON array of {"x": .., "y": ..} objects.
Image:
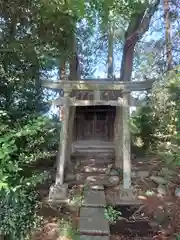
[{"x": 97, "y": 110}]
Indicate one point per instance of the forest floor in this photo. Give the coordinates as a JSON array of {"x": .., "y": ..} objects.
[{"x": 161, "y": 210}]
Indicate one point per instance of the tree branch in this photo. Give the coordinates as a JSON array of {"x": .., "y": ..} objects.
[{"x": 138, "y": 25}]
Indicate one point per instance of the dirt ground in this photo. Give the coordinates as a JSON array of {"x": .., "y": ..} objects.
[{"x": 153, "y": 205}]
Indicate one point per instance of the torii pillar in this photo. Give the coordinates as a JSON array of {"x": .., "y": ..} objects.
[
  {"x": 63, "y": 139},
  {"x": 126, "y": 141},
  {"x": 59, "y": 191},
  {"x": 126, "y": 191}
]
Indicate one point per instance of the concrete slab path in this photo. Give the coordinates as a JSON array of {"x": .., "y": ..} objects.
[
  {"x": 92, "y": 221},
  {"x": 94, "y": 198}
]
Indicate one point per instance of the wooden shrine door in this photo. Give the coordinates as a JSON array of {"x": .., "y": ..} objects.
[{"x": 94, "y": 124}]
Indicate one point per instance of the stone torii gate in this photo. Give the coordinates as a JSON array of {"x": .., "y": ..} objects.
[{"x": 122, "y": 102}]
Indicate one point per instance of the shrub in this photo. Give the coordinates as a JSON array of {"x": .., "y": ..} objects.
[{"x": 23, "y": 142}]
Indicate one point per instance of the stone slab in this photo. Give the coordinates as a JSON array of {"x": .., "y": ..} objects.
[
  {"x": 95, "y": 168},
  {"x": 97, "y": 187},
  {"x": 92, "y": 221},
  {"x": 92, "y": 178},
  {"x": 94, "y": 198},
  {"x": 86, "y": 237}
]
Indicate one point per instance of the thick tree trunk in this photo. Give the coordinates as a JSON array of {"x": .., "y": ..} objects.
[
  {"x": 74, "y": 62},
  {"x": 127, "y": 60},
  {"x": 110, "y": 51},
  {"x": 167, "y": 23},
  {"x": 138, "y": 25}
]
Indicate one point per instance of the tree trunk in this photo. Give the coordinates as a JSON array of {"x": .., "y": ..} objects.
[
  {"x": 110, "y": 51},
  {"x": 74, "y": 62},
  {"x": 138, "y": 25},
  {"x": 167, "y": 23}
]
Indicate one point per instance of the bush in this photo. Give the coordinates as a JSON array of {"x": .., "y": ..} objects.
[
  {"x": 18, "y": 212},
  {"x": 23, "y": 142},
  {"x": 158, "y": 123}
]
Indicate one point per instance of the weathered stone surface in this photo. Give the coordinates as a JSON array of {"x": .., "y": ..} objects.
[
  {"x": 133, "y": 174},
  {"x": 114, "y": 180},
  {"x": 114, "y": 172},
  {"x": 161, "y": 190},
  {"x": 58, "y": 192},
  {"x": 86, "y": 237},
  {"x": 94, "y": 169},
  {"x": 158, "y": 179},
  {"x": 126, "y": 194},
  {"x": 92, "y": 221},
  {"x": 96, "y": 187},
  {"x": 108, "y": 169},
  {"x": 177, "y": 192},
  {"x": 70, "y": 177},
  {"x": 93, "y": 198},
  {"x": 77, "y": 164},
  {"x": 142, "y": 174}
]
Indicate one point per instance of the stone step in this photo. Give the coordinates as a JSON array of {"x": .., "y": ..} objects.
[
  {"x": 93, "y": 153},
  {"x": 92, "y": 177},
  {"x": 86, "y": 237},
  {"x": 97, "y": 187},
  {"x": 93, "y": 222},
  {"x": 93, "y": 168},
  {"x": 93, "y": 145},
  {"x": 95, "y": 150},
  {"x": 91, "y": 160},
  {"x": 94, "y": 198}
]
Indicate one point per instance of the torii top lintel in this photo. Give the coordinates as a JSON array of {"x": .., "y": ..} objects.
[{"x": 100, "y": 84}]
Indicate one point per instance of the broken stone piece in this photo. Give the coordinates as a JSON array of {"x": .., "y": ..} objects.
[
  {"x": 158, "y": 180},
  {"x": 161, "y": 190},
  {"x": 114, "y": 180},
  {"x": 108, "y": 169},
  {"x": 114, "y": 172},
  {"x": 58, "y": 192},
  {"x": 177, "y": 192}
]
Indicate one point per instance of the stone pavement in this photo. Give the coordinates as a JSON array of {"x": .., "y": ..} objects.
[
  {"x": 93, "y": 225},
  {"x": 94, "y": 198}
]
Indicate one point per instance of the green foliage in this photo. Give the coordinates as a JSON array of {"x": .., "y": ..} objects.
[
  {"x": 177, "y": 237},
  {"x": 66, "y": 229},
  {"x": 18, "y": 212},
  {"x": 111, "y": 214},
  {"x": 23, "y": 143},
  {"x": 158, "y": 123},
  {"x": 143, "y": 125},
  {"x": 169, "y": 122}
]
